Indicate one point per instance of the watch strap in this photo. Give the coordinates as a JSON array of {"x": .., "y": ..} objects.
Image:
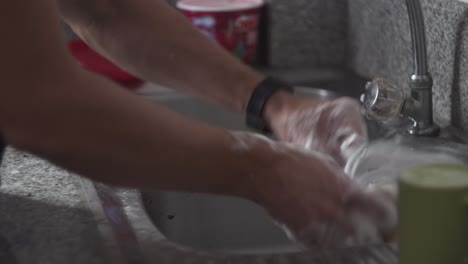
[{"x": 260, "y": 96}]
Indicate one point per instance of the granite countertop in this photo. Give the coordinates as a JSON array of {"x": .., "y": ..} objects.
[{"x": 44, "y": 217}]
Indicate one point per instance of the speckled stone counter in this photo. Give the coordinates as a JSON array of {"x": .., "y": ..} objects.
[{"x": 44, "y": 217}]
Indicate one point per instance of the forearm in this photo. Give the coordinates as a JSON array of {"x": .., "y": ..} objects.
[
  {"x": 155, "y": 42},
  {"x": 111, "y": 135},
  {"x": 51, "y": 107}
]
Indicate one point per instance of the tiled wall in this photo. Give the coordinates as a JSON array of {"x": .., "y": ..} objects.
[{"x": 380, "y": 45}]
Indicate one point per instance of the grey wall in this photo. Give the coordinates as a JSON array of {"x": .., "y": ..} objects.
[
  {"x": 301, "y": 33},
  {"x": 379, "y": 45},
  {"x": 305, "y": 33}
]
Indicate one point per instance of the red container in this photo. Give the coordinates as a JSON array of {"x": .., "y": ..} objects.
[
  {"x": 234, "y": 24},
  {"x": 93, "y": 61}
]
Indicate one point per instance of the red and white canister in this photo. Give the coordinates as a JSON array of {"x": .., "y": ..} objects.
[{"x": 234, "y": 24}]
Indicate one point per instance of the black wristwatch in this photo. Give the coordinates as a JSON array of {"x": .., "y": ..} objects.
[{"x": 264, "y": 90}]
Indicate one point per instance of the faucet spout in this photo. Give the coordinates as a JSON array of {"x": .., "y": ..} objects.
[
  {"x": 418, "y": 37},
  {"x": 384, "y": 102},
  {"x": 419, "y": 106}
]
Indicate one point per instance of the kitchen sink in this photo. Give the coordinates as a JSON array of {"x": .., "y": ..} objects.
[
  {"x": 216, "y": 223},
  {"x": 175, "y": 227},
  {"x": 221, "y": 223},
  {"x": 231, "y": 225}
]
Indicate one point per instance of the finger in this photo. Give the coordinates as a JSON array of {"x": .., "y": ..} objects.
[
  {"x": 325, "y": 235},
  {"x": 378, "y": 207},
  {"x": 388, "y": 194},
  {"x": 348, "y": 126},
  {"x": 348, "y": 111}
]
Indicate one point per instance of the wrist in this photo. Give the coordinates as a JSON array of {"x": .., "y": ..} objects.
[
  {"x": 277, "y": 107},
  {"x": 270, "y": 89},
  {"x": 256, "y": 154}
]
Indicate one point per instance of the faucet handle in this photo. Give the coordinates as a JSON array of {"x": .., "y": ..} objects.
[{"x": 382, "y": 101}]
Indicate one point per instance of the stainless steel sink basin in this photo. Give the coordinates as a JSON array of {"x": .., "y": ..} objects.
[
  {"x": 168, "y": 227},
  {"x": 217, "y": 223},
  {"x": 211, "y": 222},
  {"x": 235, "y": 226}
]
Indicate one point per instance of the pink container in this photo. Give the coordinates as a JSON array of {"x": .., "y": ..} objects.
[{"x": 234, "y": 24}]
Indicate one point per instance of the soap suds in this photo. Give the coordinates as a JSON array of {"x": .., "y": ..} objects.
[
  {"x": 334, "y": 127},
  {"x": 382, "y": 162},
  {"x": 374, "y": 168},
  {"x": 244, "y": 142}
]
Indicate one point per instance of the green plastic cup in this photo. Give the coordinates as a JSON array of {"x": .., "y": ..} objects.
[{"x": 433, "y": 209}]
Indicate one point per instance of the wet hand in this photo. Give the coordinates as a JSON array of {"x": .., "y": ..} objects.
[
  {"x": 307, "y": 193},
  {"x": 335, "y": 127}
]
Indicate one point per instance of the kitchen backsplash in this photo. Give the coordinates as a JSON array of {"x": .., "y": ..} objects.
[
  {"x": 380, "y": 45},
  {"x": 307, "y": 33}
]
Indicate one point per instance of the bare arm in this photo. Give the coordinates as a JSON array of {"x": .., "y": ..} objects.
[
  {"x": 150, "y": 39},
  {"x": 50, "y": 107}
]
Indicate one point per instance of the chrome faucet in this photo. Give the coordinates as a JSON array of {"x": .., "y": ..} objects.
[{"x": 385, "y": 102}]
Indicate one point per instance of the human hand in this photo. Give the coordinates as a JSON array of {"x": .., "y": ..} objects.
[
  {"x": 307, "y": 192},
  {"x": 320, "y": 206},
  {"x": 335, "y": 127}
]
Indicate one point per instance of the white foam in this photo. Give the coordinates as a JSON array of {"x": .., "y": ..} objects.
[{"x": 381, "y": 163}]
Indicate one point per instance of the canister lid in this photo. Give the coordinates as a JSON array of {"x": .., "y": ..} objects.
[
  {"x": 437, "y": 176},
  {"x": 218, "y": 5}
]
